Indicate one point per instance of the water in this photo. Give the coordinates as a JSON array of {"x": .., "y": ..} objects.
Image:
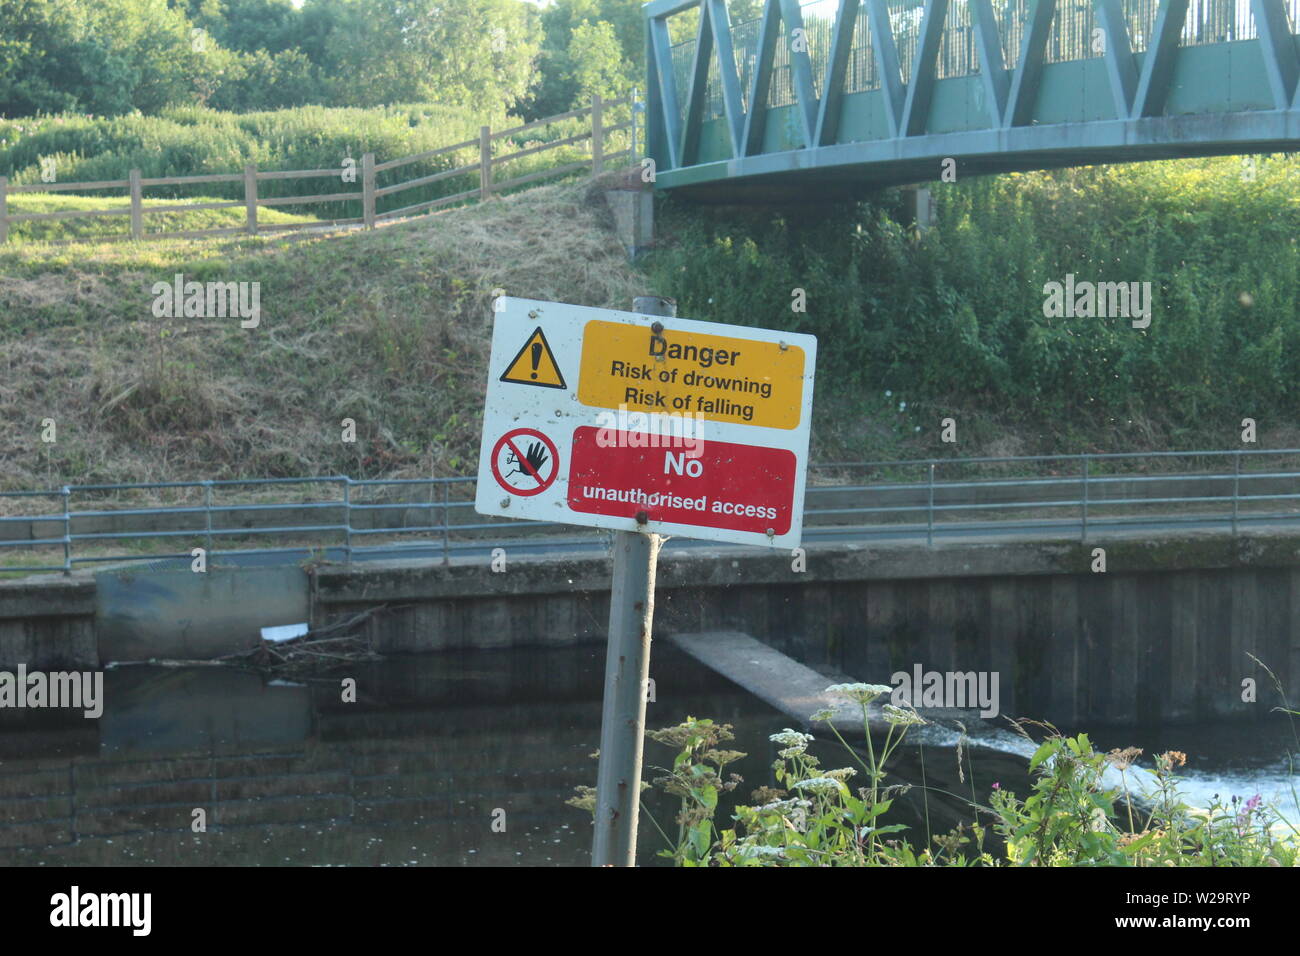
[
  {"x": 435, "y": 750},
  {"x": 1224, "y": 760}
]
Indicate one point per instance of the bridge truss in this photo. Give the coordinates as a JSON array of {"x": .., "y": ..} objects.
[{"x": 846, "y": 95}]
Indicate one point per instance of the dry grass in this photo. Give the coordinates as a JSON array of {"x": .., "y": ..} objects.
[{"x": 390, "y": 328}]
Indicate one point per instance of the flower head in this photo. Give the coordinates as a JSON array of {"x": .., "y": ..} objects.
[
  {"x": 1125, "y": 758},
  {"x": 862, "y": 693},
  {"x": 901, "y": 717},
  {"x": 793, "y": 742},
  {"x": 753, "y": 851},
  {"x": 819, "y": 785}
]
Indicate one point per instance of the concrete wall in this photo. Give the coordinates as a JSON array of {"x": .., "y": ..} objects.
[
  {"x": 47, "y": 622},
  {"x": 187, "y": 616},
  {"x": 1164, "y": 634}
]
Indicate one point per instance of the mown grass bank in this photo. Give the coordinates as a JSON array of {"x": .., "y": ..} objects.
[
  {"x": 390, "y": 328},
  {"x": 103, "y": 228}
]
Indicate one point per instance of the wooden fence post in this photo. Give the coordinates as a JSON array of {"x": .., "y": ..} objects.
[
  {"x": 597, "y": 137},
  {"x": 250, "y": 197},
  {"x": 484, "y": 162},
  {"x": 137, "y": 205},
  {"x": 368, "y": 190},
  {"x": 4, "y": 208}
]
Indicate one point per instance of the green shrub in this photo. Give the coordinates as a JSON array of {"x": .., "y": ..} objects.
[
  {"x": 956, "y": 315},
  {"x": 1073, "y": 817}
]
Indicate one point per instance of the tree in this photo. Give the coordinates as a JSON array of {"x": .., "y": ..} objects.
[
  {"x": 596, "y": 62},
  {"x": 557, "y": 88},
  {"x": 471, "y": 53},
  {"x": 105, "y": 56}
]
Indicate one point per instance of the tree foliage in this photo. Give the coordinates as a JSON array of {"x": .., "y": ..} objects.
[{"x": 112, "y": 57}]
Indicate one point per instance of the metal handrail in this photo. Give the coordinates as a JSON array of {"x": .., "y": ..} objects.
[{"x": 934, "y": 501}]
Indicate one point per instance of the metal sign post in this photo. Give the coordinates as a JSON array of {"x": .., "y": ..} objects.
[{"x": 627, "y": 668}]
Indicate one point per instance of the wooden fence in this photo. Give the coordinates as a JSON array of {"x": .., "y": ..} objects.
[{"x": 597, "y": 130}]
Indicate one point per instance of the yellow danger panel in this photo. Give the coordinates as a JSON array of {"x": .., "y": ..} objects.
[
  {"x": 534, "y": 364},
  {"x": 718, "y": 377}
]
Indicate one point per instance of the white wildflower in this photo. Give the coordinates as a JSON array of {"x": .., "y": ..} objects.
[
  {"x": 862, "y": 693},
  {"x": 819, "y": 785},
  {"x": 793, "y": 742},
  {"x": 753, "y": 851},
  {"x": 900, "y": 717},
  {"x": 784, "y": 806}
]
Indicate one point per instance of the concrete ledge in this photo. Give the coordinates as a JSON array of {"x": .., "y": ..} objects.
[
  {"x": 795, "y": 689},
  {"x": 47, "y": 595},
  {"x": 826, "y": 562}
]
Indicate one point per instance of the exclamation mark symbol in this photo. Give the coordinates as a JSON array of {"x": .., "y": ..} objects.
[{"x": 537, "y": 357}]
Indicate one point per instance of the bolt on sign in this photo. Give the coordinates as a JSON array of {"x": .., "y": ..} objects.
[{"x": 595, "y": 417}]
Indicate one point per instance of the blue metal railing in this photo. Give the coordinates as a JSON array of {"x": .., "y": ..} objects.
[{"x": 913, "y": 499}]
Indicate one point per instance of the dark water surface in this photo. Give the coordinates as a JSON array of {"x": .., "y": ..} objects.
[
  {"x": 434, "y": 749},
  {"x": 414, "y": 772}
]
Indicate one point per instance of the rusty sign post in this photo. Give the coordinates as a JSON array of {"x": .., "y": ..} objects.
[{"x": 627, "y": 669}]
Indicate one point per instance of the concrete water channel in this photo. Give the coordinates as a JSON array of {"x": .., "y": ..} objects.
[{"x": 487, "y": 696}]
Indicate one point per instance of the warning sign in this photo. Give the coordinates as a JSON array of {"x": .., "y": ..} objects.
[
  {"x": 716, "y": 484},
  {"x": 525, "y": 462},
  {"x": 699, "y": 429},
  {"x": 718, "y": 377},
  {"x": 535, "y": 364}
]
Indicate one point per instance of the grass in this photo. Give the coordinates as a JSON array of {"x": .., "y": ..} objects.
[
  {"x": 389, "y": 328},
  {"x": 193, "y": 141},
  {"x": 96, "y": 228}
]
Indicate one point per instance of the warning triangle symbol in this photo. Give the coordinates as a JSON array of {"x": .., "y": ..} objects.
[{"x": 535, "y": 364}]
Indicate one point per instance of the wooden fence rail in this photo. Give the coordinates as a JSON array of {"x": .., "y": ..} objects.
[{"x": 597, "y": 132}]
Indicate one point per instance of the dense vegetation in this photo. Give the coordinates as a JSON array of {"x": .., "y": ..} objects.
[
  {"x": 953, "y": 323},
  {"x": 1083, "y": 808},
  {"x": 191, "y": 141},
  {"x": 112, "y": 57}
]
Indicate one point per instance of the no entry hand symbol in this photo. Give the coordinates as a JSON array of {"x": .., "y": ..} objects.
[{"x": 525, "y": 462}]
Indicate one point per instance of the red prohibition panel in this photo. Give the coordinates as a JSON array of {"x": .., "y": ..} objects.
[{"x": 708, "y": 484}]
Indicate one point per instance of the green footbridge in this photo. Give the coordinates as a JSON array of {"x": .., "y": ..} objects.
[{"x": 837, "y": 97}]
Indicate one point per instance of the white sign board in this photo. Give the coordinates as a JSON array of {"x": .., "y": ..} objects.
[{"x": 596, "y": 417}]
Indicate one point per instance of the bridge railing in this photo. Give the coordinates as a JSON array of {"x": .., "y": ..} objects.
[
  {"x": 343, "y": 519},
  {"x": 698, "y": 58}
]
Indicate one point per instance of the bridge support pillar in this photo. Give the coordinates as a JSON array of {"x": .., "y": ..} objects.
[
  {"x": 920, "y": 209},
  {"x": 632, "y": 203}
]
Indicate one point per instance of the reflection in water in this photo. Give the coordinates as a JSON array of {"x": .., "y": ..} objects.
[
  {"x": 414, "y": 771},
  {"x": 286, "y": 773}
]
